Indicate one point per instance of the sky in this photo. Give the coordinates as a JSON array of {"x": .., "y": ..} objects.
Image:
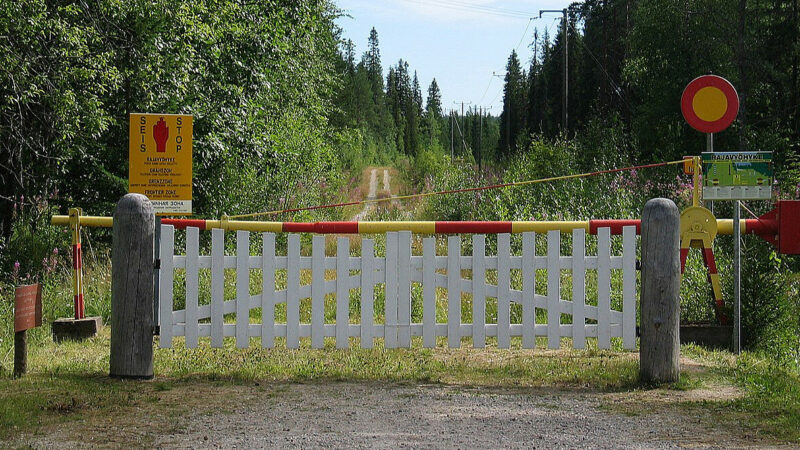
[{"x": 461, "y": 43}]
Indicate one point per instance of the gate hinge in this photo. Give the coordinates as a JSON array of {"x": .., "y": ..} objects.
[
  {"x": 157, "y": 264},
  {"x": 156, "y": 330}
]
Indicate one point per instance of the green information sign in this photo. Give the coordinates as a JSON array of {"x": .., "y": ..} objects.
[{"x": 737, "y": 175}]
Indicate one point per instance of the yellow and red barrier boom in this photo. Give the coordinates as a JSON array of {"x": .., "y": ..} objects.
[{"x": 767, "y": 226}]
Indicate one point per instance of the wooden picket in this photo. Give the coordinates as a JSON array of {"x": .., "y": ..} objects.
[{"x": 396, "y": 270}]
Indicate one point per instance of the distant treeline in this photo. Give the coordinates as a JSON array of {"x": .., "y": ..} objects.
[
  {"x": 629, "y": 61},
  {"x": 390, "y": 113}
]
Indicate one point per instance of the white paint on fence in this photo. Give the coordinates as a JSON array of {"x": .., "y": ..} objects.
[{"x": 396, "y": 270}]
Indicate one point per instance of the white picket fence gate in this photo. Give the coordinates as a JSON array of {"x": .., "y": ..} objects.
[{"x": 397, "y": 271}]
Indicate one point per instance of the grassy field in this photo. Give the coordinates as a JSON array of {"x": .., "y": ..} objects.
[{"x": 68, "y": 383}]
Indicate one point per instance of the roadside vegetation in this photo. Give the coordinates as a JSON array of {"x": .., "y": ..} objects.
[{"x": 288, "y": 115}]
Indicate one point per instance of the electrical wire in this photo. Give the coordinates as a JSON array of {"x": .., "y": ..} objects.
[
  {"x": 457, "y": 191},
  {"x": 524, "y": 33},
  {"x": 491, "y": 77},
  {"x": 462, "y": 6},
  {"x": 617, "y": 88}
]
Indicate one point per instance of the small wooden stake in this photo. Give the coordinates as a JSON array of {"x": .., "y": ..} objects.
[{"x": 20, "y": 353}]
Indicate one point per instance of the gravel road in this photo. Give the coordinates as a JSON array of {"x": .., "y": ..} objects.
[
  {"x": 373, "y": 192},
  {"x": 374, "y": 415}
]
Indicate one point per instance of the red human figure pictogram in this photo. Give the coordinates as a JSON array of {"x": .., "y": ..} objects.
[{"x": 161, "y": 134}]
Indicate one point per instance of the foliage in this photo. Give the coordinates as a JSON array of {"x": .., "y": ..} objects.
[{"x": 73, "y": 71}]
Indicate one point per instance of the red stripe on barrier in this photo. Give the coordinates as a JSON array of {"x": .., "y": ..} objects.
[
  {"x": 76, "y": 256},
  {"x": 473, "y": 227},
  {"x": 708, "y": 255},
  {"x": 761, "y": 227},
  {"x": 298, "y": 227},
  {"x": 336, "y": 227},
  {"x": 616, "y": 225},
  {"x": 80, "y": 311},
  {"x": 684, "y": 254},
  {"x": 184, "y": 223}
]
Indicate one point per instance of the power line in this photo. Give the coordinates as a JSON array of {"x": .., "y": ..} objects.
[
  {"x": 524, "y": 33},
  {"x": 463, "y": 190},
  {"x": 456, "y": 5},
  {"x": 491, "y": 77},
  {"x": 617, "y": 88}
]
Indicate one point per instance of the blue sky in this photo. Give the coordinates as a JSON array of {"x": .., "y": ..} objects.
[{"x": 459, "y": 42}]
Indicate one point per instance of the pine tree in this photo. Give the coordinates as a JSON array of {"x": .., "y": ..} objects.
[
  {"x": 417, "y": 95},
  {"x": 433, "y": 115},
  {"x": 433, "y": 106},
  {"x": 512, "y": 117},
  {"x": 372, "y": 60}
]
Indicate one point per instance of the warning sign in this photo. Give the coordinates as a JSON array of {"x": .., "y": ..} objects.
[
  {"x": 737, "y": 176},
  {"x": 27, "y": 307},
  {"x": 160, "y": 161}
]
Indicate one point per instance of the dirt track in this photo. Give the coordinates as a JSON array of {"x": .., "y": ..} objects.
[{"x": 373, "y": 415}]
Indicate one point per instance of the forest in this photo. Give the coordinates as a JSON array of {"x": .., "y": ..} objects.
[{"x": 287, "y": 113}]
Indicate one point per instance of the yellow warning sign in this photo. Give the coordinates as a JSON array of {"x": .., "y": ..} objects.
[{"x": 160, "y": 161}]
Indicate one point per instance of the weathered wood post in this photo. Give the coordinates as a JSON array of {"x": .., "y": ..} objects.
[
  {"x": 132, "y": 288},
  {"x": 659, "y": 350}
]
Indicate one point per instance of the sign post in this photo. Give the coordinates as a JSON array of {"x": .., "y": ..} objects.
[
  {"x": 160, "y": 167},
  {"x": 710, "y": 104},
  {"x": 27, "y": 315}
]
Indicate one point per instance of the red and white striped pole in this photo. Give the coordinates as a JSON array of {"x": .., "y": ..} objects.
[{"x": 77, "y": 262}]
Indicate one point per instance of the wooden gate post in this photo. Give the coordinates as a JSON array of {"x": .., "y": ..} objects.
[
  {"x": 132, "y": 288},
  {"x": 659, "y": 349}
]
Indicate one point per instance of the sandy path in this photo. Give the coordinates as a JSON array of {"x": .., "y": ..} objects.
[
  {"x": 380, "y": 415},
  {"x": 373, "y": 192}
]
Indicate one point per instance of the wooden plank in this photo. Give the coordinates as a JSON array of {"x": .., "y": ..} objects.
[
  {"x": 390, "y": 317},
  {"x": 217, "y": 286},
  {"x": 167, "y": 273},
  {"x": 318, "y": 291},
  {"x": 342, "y": 292},
  {"x": 528, "y": 290},
  {"x": 429, "y": 292},
  {"x": 404, "y": 289},
  {"x": 454, "y": 291},
  {"x": 367, "y": 291},
  {"x": 192, "y": 282},
  {"x": 478, "y": 291},
  {"x": 578, "y": 288},
  {"x": 268, "y": 291},
  {"x": 293, "y": 292},
  {"x": 553, "y": 289},
  {"x": 629, "y": 288},
  {"x": 603, "y": 288},
  {"x": 503, "y": 290},
  {"x": 242, "y": 288}
]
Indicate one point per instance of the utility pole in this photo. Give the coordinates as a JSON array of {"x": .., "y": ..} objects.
[
  {"x": 565, "y": 12},
  {"x": 451, "y": 134},
  {"x": 508, "y": 119},
  {"x": 483, "y": 110},
  {"x": 463, "y": 124}
]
